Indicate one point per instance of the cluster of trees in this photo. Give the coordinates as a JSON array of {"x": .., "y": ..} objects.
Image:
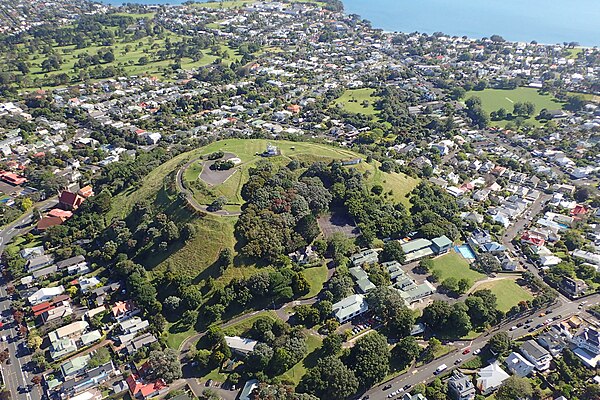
[
  {"x": 222, "y": 165},
  {"x": 282, "y": 284},
  {"x": 434, "y": 211},
  {"x": 280, "y": 214},
  {"x": 477, "y": 311},
  {"x": 476, "y": 112},
  {"x": 339, "y": 376}
]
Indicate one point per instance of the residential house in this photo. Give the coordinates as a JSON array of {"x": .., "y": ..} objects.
[
  {"x": 90, "y": 338},
  {"x": 70, "y": 201},
  {"x": 137, "y": 343},
  {"x": 45, "y": 294},
  {"x": 89, "y": 378},
  {"x": 44, "y": 272},
  {"x": 131, "y": 327},
  {"x": 92, "y": 394},
  {"x": 588, "y": 346},
  {"x": 74, "y": 366},
  {"x": 73, "y": 265},
  {"x": 536, "y": 354},
  {"x": 552, "y": 342},
  {"x": 32, "y": 252},
  {"x": 478, "y": 238},
  {"x": 247, "y": 390},
  {"x": 304, "y": 256},
  {"x": 33, "y": 264},
  {"x": 58, "y": 311},
  {"x": 239, "y": 345},
  {"x": 362, "y": 279},
  {"x": 140, "y": 389},
  {"x": 573, "y": 286},
  {"x": 350, "y": 307},
  {"x": 100, "y": 294},
  {"x": 518, "y": 365},
  {"x": 123, "y": 310},
  {"x": 418, "y": 396},
  {"x": 490, "y": 378},
  {"x": 85, "y": 284},
  {"x": 460, "y": 387}
]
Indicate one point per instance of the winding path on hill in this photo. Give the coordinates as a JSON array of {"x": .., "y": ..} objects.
[{"x": 189, "y": 196}]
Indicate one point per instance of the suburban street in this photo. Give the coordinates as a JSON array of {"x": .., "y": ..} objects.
[
  {"x": 425, "y": 373},
  {"x": 13, "y": 374},
  {"x": 21, "y": 225}
]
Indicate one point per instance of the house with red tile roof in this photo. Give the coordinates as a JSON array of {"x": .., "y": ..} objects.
[
  {"x": 58, "y": 213},
  {"x": 69, "y": 200},
  {"x": 12, "y": 178},
  {"x": 579, "y": 210},
  {"x": 48, "y": 222},
  {"x": 145, "y": 390},
  {"x": 86, "y": 191}
]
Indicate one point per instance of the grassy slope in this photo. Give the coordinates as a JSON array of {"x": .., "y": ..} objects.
[
  {"x": 316, "y": 277},
  {"x": 226, "y": 4},
  {"x": 494, "y": 99},
  {"x": 508, "y": 293},
  {"x": 452, "y": 264}
]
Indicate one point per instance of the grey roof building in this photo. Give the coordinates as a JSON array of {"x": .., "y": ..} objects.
[{"x": 460, "y": 387}]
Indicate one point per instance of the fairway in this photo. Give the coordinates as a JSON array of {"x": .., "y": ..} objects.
[
  {"x": 249, "y": 150},
  {"x": 454, "y": 265},
  {"x": 494, "y": 99},
  {"x": 507, "y": 291},
  {"x": 352, "y": 101}
]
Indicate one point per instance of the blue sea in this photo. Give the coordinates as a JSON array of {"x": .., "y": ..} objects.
[{"x": 546, "y": 21}]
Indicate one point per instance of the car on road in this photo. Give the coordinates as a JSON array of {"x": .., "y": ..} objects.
[
  {"x": 440, "y": 369},
  {"x": 538, "y": 326},
  {"x": 407, "y": 386},
  {"x": 531, "y": 330},
  {"x": 458, "y": 361},
  {"x": 466, "y": 351},
  {"x": 387, "y": 387},
  {"x": 512, "y": 328}
]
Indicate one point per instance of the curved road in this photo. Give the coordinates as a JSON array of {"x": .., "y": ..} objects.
[{"x": 189, "y": 196}]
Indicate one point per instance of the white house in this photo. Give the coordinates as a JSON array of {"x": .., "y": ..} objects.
[
  {"x": 536, "y": 354},
  {"x": 45, "y": 294},
  {"x": 490, "y": 378},
  {"x": 518, "y": 365}
]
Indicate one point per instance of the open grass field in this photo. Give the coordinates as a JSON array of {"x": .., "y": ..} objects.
[
  {"x": 352, "y": 101},
  {"x": 494, "y": 99},
  {"x": 507, "y": 291},
  {"x": 453, "y": 264},
  {"x": 316, "y": 277},
  {"x": 241, "y": 328},
  {"x": 248, "y": 151}
]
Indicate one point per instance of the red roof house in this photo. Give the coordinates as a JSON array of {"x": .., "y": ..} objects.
[
  {"x": 69, "y": 200},
  {"x": 579, "y": 210},
  {"x": 58, "y": 213},
  {"x": 12, "y": 178},
  {"x": 141, "y": 390}
]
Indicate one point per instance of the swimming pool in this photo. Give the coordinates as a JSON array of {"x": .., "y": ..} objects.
[{"x": 465, "y": 251}]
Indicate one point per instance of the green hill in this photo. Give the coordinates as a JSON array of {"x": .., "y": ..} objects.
[{"x": 197, "y": 257}]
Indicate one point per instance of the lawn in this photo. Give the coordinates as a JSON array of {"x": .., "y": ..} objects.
[
  {"x": 242, "y": 327},
  {"x": 454, "y": 265},
  {"x": 494, "y": 99},
  {"x": 352, "y": 101},
  {"x": 316, "y": 277},
  {"x": 507, "y": 291},
  {"x": 294, "y": 374},
  {"x": 174, "y": 337}
]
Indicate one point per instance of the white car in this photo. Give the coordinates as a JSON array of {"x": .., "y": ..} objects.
[
  {"x": 512, "y": 328},
  {"x": 477, "y": 352}
]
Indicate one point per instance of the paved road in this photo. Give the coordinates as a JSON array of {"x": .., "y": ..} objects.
[
  {"x": 22, "y": 225},
  {"x": 13, "y": 374},
  {"x": 425, "y": 373},
  {"x": 189, "y": 196}
]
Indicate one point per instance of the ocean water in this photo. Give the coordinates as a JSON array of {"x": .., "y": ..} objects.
[{"x": 546, "y": 21}]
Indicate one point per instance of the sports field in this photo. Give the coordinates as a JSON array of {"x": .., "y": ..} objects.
[
  {"x": 494, "y": 99},
  {"x": 507, "y": 291},
  {"x": 454, "y": 265}
]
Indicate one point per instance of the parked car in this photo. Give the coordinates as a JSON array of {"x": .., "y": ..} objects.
[
  {"x": 387, "y": 387},
  {"x": 477, "y": 352}
]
